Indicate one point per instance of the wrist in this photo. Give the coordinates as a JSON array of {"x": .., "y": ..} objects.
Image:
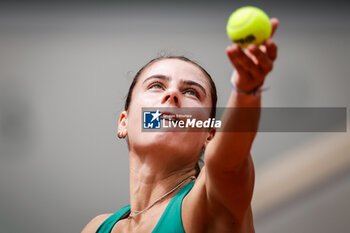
[{"x": 256, "y": 92}]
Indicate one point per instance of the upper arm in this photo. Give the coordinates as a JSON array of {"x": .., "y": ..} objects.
[
  {"x": 94, "y": 224},
  {"x": 220, "y": 206},
  {"x": 231, "y": 189}
]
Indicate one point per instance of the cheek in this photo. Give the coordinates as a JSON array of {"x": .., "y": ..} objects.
[
  {"x": 147, "y": 99},
  {"x": 193, "y": 142},
  {"x": 134, "y": 119}
]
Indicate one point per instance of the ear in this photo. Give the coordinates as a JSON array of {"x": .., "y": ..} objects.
[
  {"x": 211, "y": 134},
  {"x": 123, "y": 124}
]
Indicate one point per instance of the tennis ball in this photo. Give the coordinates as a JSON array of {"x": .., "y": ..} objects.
[{"x": 248, "y": 25}]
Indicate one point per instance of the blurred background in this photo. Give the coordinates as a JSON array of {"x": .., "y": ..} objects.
[{"x": 65, "y": 69}]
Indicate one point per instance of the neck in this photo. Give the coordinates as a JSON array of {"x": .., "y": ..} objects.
[{"x": 149, "y": 180}]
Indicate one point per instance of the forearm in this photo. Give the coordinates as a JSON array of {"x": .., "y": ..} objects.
[
  {"x": 240, "y": 121},
  {"x": 229, "y": 165}
]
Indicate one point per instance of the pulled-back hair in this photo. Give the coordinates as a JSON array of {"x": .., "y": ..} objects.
[{"x": 182, "y": 58}]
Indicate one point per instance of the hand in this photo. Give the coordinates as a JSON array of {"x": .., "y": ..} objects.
[{"x": 254, "y": 63}]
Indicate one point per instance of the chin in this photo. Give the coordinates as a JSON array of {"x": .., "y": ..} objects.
[{"x": 167, "y": 139}]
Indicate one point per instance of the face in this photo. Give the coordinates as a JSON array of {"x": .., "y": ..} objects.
[{"x": 170, "y": 83}]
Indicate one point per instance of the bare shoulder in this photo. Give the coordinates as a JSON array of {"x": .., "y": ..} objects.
[{"x": 93, "y": 225}]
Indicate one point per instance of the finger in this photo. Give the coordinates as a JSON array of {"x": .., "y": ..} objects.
[
  {"x": 271, "y": 49},
  {"x": 233, "y": 52},
  {"x": 248, "y": 64},
  {"x": 262, "y": 58},
  {"x": 246, "y": 81},
  {"x": 245, "y": 75},
  {"x": 237, "y": 56},
  {"x": 274, "y": 25}
]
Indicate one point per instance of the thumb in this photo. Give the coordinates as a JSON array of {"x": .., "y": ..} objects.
[{"x": 274, "y": 24}]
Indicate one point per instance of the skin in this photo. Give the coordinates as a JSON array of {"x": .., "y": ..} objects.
[{"x": 220, "y": 200}]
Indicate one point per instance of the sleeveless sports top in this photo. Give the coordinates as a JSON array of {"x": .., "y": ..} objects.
[{"x": 169, "y": 222}]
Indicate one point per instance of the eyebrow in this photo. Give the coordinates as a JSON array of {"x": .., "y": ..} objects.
[
  {"x": 157, "y": 76},
  {"x": 187, "y": 82}
]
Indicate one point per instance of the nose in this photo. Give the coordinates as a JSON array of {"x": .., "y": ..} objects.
[{"x": 172, "y": 97}]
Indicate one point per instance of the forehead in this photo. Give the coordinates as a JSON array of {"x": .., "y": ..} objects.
[{"x": 176, "y": 69}]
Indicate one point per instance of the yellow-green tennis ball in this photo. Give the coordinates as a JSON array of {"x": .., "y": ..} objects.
[{"x": 248, "y": 25}]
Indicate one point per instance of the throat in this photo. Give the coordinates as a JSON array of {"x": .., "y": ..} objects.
[{"x": 134, "y": 212}]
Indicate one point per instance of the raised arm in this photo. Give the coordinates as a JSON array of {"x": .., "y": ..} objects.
[{"x": 229, "y": 170}]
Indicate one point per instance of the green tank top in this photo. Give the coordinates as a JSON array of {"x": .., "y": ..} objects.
[{"x": 169, "y": 222}]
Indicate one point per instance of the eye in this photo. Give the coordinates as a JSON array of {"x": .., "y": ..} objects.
[
  {"x": 156, "y": 85},
  {"x": 191, "y": 91}
]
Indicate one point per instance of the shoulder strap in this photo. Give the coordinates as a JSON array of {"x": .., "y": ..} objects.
[
  {"x": 108, "y": 224},
  {"x": 171, "y": 221}
]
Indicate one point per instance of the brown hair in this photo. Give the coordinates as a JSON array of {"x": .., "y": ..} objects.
[
  {"x": 207, "y": 75},
  {"x": 211, "y": 82}
]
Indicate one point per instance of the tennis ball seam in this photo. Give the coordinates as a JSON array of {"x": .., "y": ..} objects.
[
  {"x": 248, "y": 25},
  {"x": 243, "y": 25}
]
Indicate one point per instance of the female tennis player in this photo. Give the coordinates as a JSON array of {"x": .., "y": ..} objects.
[{"x": 168, "y": 192}]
